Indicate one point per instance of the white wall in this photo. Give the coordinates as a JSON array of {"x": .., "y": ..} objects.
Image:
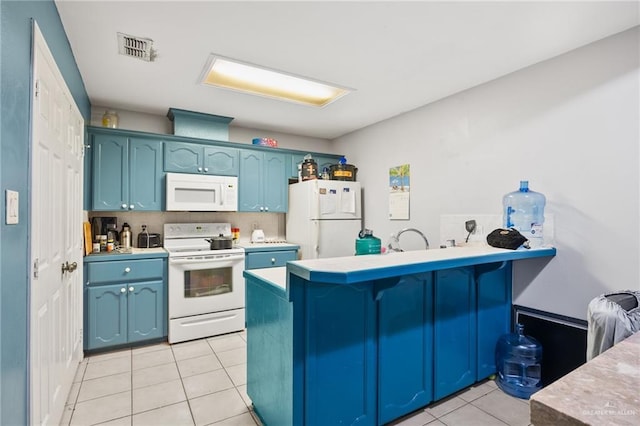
[
  {"x": 152, "y": 123},
  {"x": 570, "y": 125}
]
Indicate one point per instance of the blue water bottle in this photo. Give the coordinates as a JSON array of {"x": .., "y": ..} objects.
[
  {"x": 524, "y": 211},
  {"x": 519, "y": 363}
]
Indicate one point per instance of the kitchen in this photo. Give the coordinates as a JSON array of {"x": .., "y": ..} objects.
[{"x": 578, "y": 110}]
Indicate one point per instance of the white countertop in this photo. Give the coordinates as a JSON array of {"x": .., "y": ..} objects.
[
  {"x": 275, "y": 276},
  {"x": 391, "y": 259},
  {"x": 249, "y": 245},
  {"x": 351, "y": 269},
  {"x": 136, "y": 250}
]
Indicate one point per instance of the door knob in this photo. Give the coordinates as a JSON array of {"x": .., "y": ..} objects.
[
  {"x": 123, "y": 290},
  {"x": 127, "y": 269},
  {"x": 124, "y": 206},
  {"x": 131, "y": 289},
  {"x": 66, "y": 267}
]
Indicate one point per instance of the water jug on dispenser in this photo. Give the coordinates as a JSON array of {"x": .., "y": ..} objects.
[
  {"x": 524, "y": 211},
  {"x": 518, "y": 360}
]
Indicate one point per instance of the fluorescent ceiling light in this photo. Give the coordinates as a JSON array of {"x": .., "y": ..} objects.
[{"x": 235, "y": 75}]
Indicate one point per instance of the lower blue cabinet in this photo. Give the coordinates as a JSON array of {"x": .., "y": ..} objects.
[
  {"x": 340, "y": 372},
  {"x": 106, "y": 313},
  {"x": 454, "y": 342},
  {"x": 405, "y": 350},
  {"x": 127, "y": 309},
  {"x": 145, "y": 311}
]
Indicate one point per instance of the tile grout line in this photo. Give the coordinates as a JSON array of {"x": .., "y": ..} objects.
[{"x": 184, "y": 389}]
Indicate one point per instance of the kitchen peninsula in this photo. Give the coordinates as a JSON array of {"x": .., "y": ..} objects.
[{"x": 367, "y": 339}]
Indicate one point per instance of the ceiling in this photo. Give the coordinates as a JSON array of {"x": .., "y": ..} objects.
[{"x": 397, "y": 56}]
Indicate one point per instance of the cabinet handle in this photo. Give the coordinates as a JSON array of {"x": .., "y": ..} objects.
[
  {"x": 124, "y": 206},
  {"x": 127, "y": 270},
  {"x": 261, "y": 209},
  {"x": 266, "y": 209},
  {"x": 273, "y": 260},
  {"x": 206, "y": 169},
  {"x": 131, "y": 207},
  {"x": 123, "y": 290},
  {"x": 130, "y": 289},
  {"x": 199, "y": 169}
]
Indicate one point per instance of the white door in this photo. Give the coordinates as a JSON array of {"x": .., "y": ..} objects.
[{"x": 55, "y": 344}]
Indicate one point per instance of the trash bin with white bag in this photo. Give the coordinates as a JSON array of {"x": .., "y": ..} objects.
[{"x": 611, "y": 318}]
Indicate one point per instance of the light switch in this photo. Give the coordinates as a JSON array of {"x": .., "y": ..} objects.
[{"x": 12, "y": 207}]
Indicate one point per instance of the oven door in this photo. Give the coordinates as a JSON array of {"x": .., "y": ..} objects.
[{"x": 205, "y": 284}]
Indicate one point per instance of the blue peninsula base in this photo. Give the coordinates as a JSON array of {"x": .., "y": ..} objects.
[{"x": 341, "y": 342}]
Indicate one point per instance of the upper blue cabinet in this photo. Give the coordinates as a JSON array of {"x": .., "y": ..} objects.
[
  {"x": 322, "y": 160},
  {"x": 263, "y": 181},
  {"x": 127, "y": 173},
  {"x": 184, "y": 157}
]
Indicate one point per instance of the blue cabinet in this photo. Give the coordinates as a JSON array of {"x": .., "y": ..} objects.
[
  {"x": 340, "y": 371},
  {"x": 455, "y": 335},
  {"x": 126, "y": 173},
  {"x": 125, "y": 302},
  {"x": 262, "y": 181},
  {"x": 184, "y": 157},
  {"x": 493, "y": 283},
  {"x": 269, "y": 259},
  {"x": 405, "y": 348},
  {"x": 106, "y": 316}
]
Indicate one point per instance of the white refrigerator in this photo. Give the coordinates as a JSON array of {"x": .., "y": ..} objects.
[{"x": 324, "y": 217}]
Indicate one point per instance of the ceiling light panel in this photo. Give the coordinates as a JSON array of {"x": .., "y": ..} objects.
[{"x": 235, "y": 75}]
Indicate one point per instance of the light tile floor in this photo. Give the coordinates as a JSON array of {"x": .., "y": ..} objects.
[{"x": 203, "y": 382}]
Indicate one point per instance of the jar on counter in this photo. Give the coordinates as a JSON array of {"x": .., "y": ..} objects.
[
  {"x": 110, "y": 119},
  {"x": 102, "y": 239}
]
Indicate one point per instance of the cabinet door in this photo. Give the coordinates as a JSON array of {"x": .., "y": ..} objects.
[
  {"x": 454, "y": 331},
  {"x": 146, "y": 311},
  {"x": 145, "y": 175},
  {"x": 276, "y": 189},
  {"x": 295, "y": 160},
  {"x": 493, "y": 282},
  {"x": 221, "y": 161},
  {"x": 182, "y": 157},
  {"x": 106, "y": 316},
  {"x": 340, "y": 372},
  {"x": 250, "y": 188},
  {"x": 405, "y": 346},
  {"x": 326, "y": 161},
  {"x": 110, "y": 173}
]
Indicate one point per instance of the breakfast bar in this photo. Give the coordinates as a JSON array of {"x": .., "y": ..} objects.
[{"x": 368, "y": 339}]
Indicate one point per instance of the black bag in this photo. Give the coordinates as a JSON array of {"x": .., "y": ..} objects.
[{"x": 507, "y": 239}]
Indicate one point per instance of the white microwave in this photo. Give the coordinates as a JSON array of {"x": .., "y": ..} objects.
[{"x": 203, "y": 193}]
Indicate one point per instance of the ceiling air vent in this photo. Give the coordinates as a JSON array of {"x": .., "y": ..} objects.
[{"x": 136, "y": 47}]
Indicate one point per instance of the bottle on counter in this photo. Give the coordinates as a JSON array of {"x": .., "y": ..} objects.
[{"x": 125, "y": 236}]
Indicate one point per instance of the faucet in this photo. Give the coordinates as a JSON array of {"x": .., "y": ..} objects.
[{"x": 395, "y": 239}]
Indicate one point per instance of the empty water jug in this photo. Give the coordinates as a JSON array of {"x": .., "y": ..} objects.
[{"x": 518, "y": 359}]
